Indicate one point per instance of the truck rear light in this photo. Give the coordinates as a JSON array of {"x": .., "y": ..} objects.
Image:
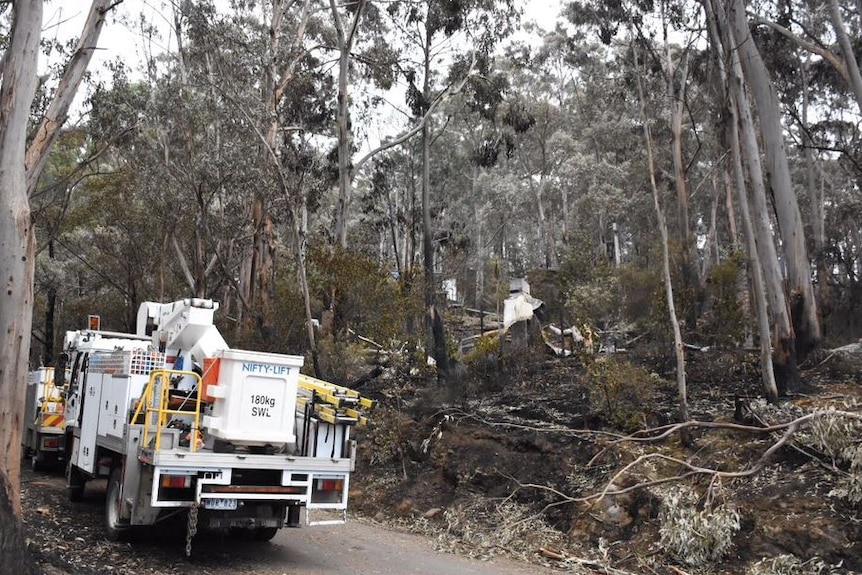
[
  {"x": 50, "y": 443},
  {"x": 330, "y": 484},
  {"x": 176, "y": 481}
]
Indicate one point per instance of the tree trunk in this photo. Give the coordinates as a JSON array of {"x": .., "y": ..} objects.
[
  {"x": 766, "y": 369},
  {"x": 58, "y": 110},
  {"x": 728, "y": 204},
  {"x": 817, "y": 218},
  {"x": 847, "y": 53},
  {"x": 300, "y": 226},
  {"x": 679, "y": 348},
  {"x": 545, "y": 230},
  {"x": 17, "y": 241},
  {"x": 342, "y": 119},
  {"x": 259, "y": 284},
  {"x": 754, "y": 267},
  {"x": 711, "y": 251},
  {"x": 677, "y": 110},
  {"x": 50, "y": 312},
  {"x": 676, "y": 97},
  {"x": 479, "y": 294},
  {"x": 50, "y": 315},
  {"x": 783, "y": 356},
  {"x": 434, "y": 322},
  {"x": 803, "y": 306}
]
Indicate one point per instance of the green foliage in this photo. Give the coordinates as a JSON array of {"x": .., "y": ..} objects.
[
  {"x": 485, "y": 345},
  {"x": 638, "y": 286},
  {"x": 364, "y": 295},
  {"x": 592, "y": 288},
  {"x": 483, "y": 364},
  {"x": 696, "y": 535},
  {"x": 383, "y": 441},
  {"x": 725, "y": 324},
  {"x": 342, "y": 362},
  {"x": 285, "y": 325},
  {"x": 619, "y": 391},
  {"x": 836, "y": 435}
]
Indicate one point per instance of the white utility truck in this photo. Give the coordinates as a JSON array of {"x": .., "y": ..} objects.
[
  {"x": 180, "y": 422},
  {"x": 44, "y": 419}
]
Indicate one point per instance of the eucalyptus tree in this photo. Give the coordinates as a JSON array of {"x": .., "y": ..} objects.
[
  {"x": 679, "y": 347},
  {"x": 242, "y": 81},
  {"x": 745, "y": 154},
  {"x": 21, "y": 162},
  {"x": 804, "y": 46},
  {"x": 544, "y": 121},
  {"x": 824, "y": 31},
  {"x": 439, "y": 35},
  {"x": 196, "y": 168},
  {"x": 806, "y": 322},
  {"x": 574, "y": 159},
  {"x": 389, "y": 207},
  {"x": 361, "y": 46},
  {"x": 762, "y": 258},
  {"x": 668, "y": 34}
]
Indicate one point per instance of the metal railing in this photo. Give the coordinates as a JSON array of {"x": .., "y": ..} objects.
[{"x": 156, "y": 409}]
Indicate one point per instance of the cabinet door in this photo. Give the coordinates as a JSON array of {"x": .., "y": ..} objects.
[
  {"x": 90, "y": 421},
  {"x": 114, "y": 405}
]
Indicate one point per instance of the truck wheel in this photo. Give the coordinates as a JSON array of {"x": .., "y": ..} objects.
[
  {"x": 116, "y": 528},
  {"x": 76, "y": 484},
  {"x": 265, "y": 533},
  {"x": 36, "y": 463}
]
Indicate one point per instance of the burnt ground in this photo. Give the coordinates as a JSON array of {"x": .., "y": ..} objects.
[{"x": 504, "y": 461}]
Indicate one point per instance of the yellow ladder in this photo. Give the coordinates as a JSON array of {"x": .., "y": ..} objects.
[{"x": 333, "y": 403}]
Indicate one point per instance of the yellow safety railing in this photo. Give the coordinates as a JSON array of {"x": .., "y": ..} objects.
[{"x": 149, "y": 404}]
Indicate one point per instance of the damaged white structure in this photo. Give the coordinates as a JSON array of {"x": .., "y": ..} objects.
[{"x": 520, "y": 305}]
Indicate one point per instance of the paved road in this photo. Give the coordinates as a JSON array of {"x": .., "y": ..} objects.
[
  {"x": 356, "y": 548},
  {"x": 360, "y": 548}
]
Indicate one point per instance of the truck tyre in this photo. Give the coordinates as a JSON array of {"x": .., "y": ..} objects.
[
  {"x": 76, "y": 484},
  {"x": 265, "y": 533},
  {"x": 36, "y": 463},
  {"x": 116, "y": 528}
]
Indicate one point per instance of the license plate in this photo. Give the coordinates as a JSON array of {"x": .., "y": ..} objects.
[{"x": 219, "y": 503}]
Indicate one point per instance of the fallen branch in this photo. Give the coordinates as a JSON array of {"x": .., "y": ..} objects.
[
  {"x": 592, "y": 564},
  {"x": 461, "y": 414},
  {"x": 693, "y": 470},
  {"x": 690, "y": 470},
  {"x": 666, "y": 431}
]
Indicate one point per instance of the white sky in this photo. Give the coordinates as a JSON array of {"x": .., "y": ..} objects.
[
  {"x": 65, "y": 18},
  {"x": 122, "y": 37}
]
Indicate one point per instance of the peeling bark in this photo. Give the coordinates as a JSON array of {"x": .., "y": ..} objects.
[
  {"x": 806, "y": 323},
  {"x": 17, "y": 249}
]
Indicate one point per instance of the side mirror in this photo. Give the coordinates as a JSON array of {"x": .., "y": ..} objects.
[{"x": 60, "y": 369}]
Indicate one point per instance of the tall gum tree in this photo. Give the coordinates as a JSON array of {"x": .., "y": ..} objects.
[
  {"x": 731, "y": 84},
  {"x": 17, "y": 243},
  {"x": 803, "y": 305},
  {"x": 20, "y": 166},
  {"x": 783, "y": 343}
]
